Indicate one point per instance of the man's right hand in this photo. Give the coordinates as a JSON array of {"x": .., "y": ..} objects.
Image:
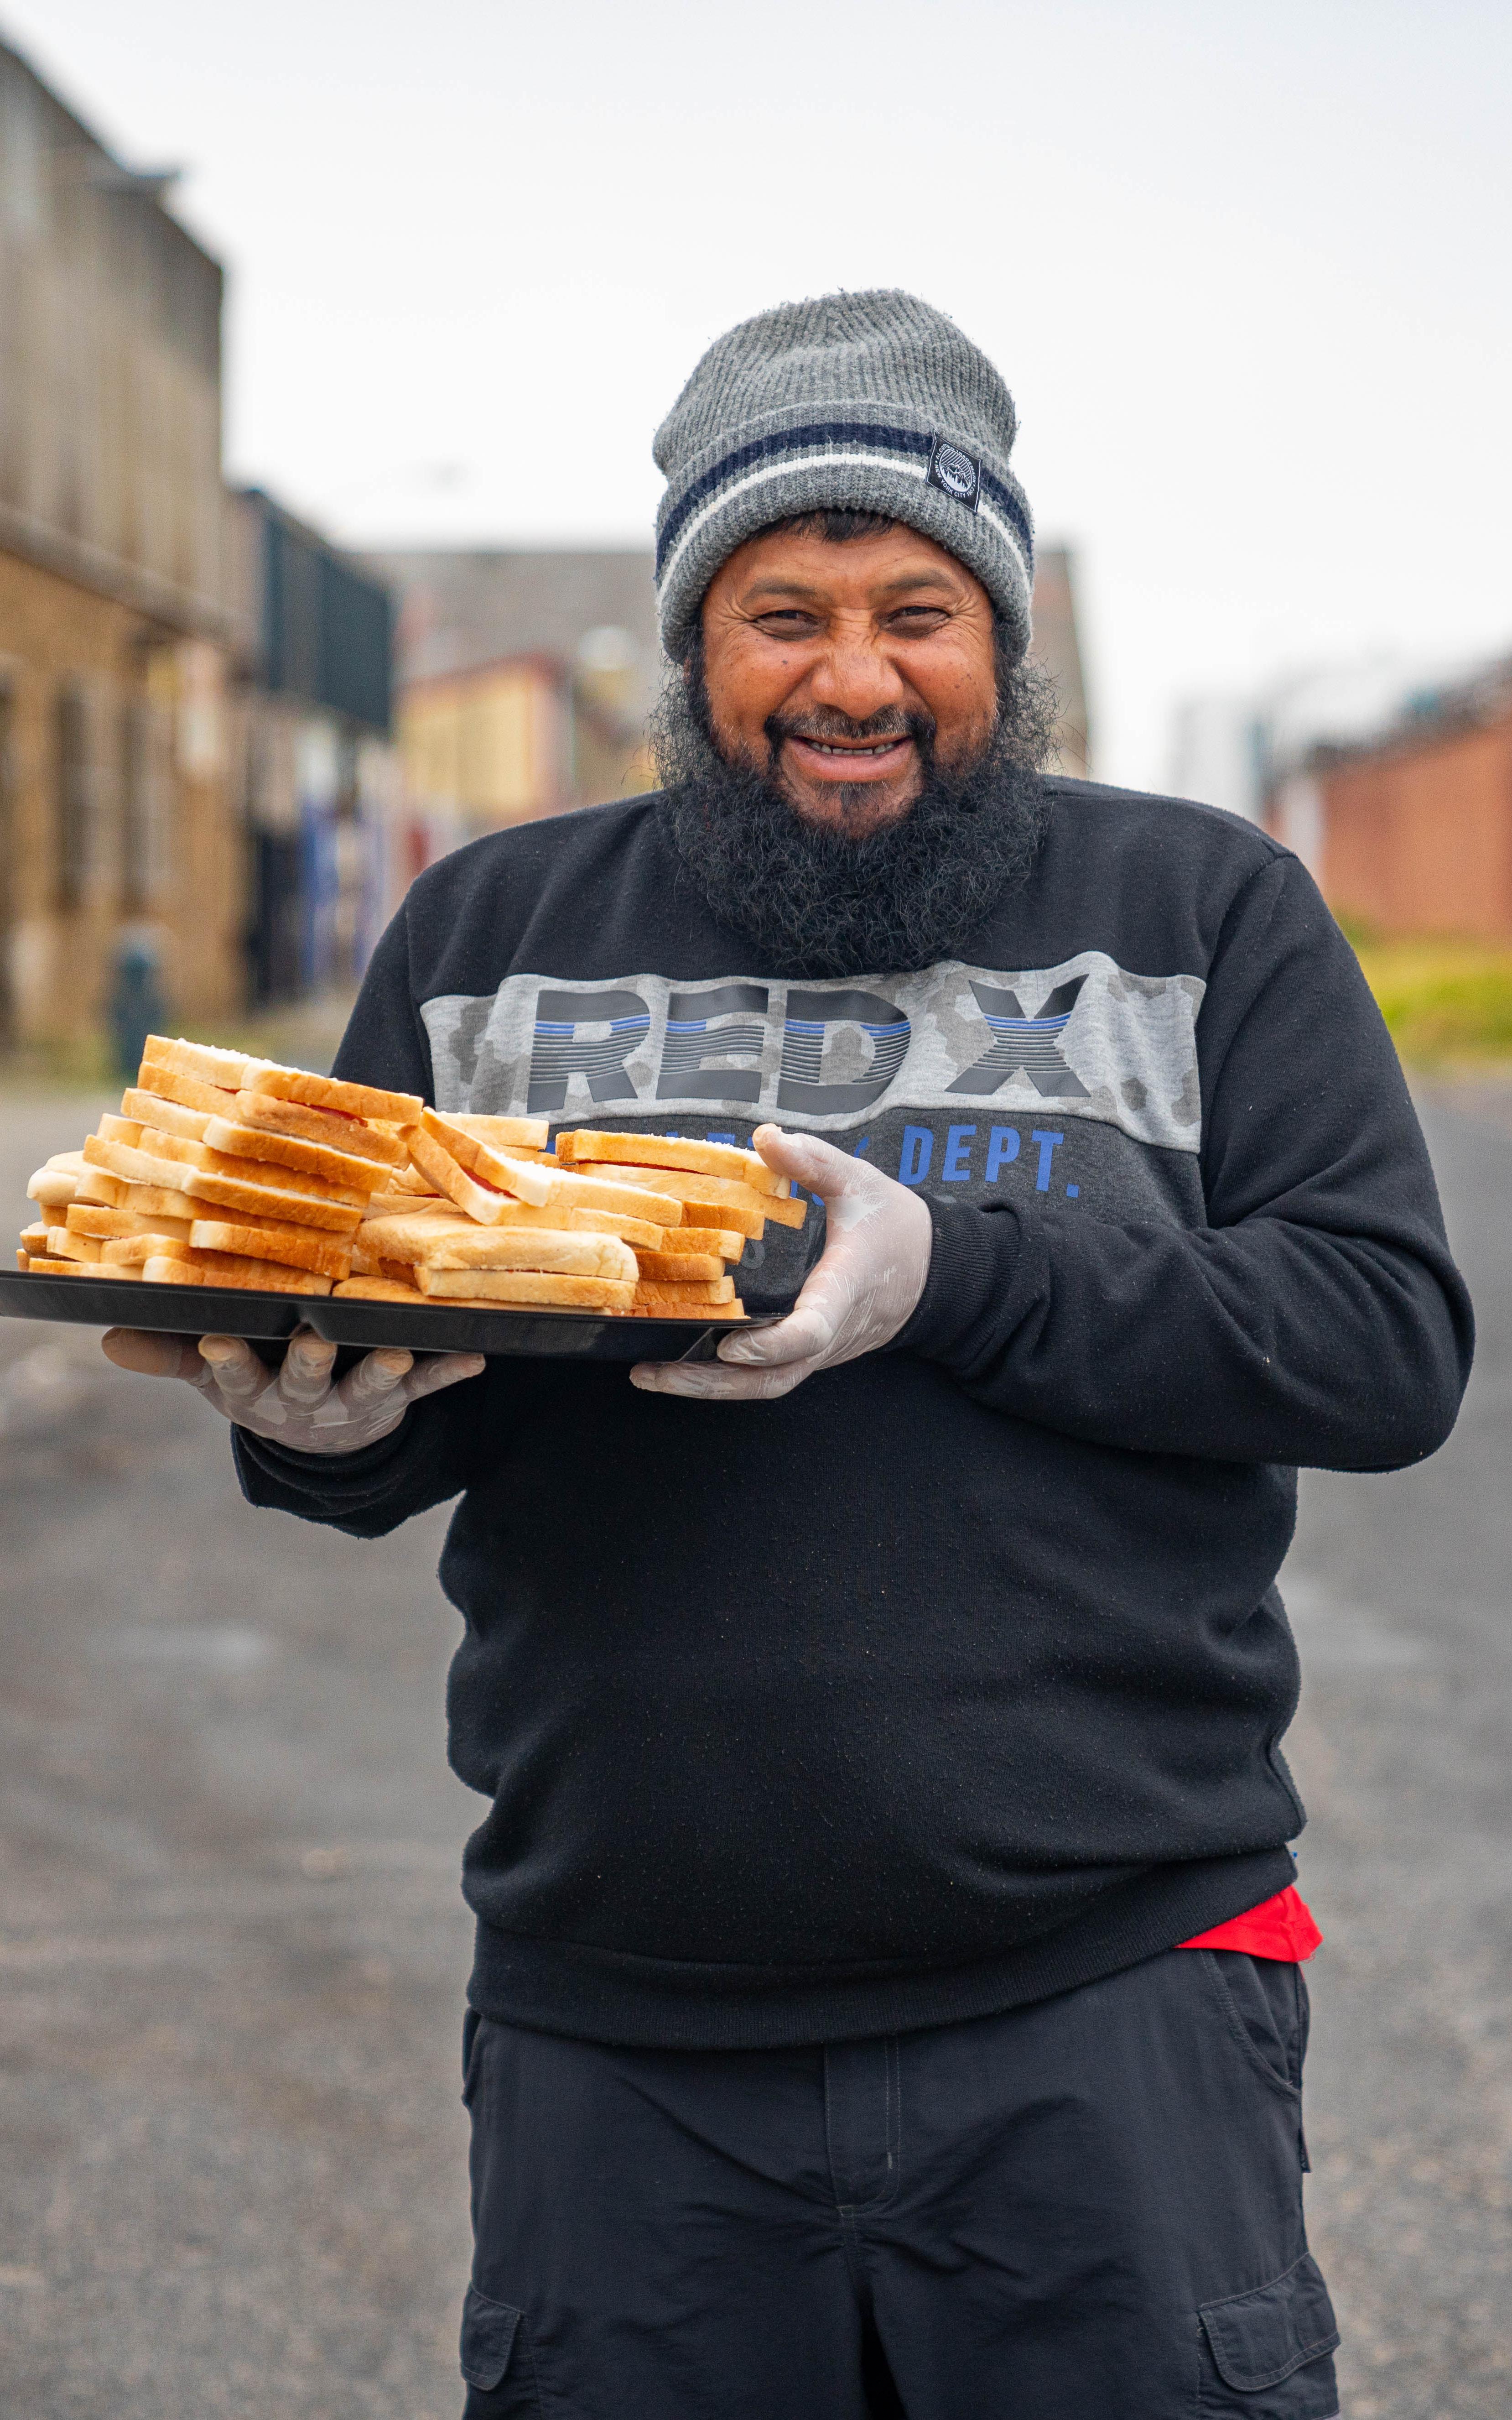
[{"x": 295, "y": 1404}]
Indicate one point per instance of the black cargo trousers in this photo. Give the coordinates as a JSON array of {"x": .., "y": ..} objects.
[{"x": 1089, "y": 2209}]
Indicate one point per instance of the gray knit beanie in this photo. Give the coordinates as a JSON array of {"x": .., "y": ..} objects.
[{"x": 869, "y": 402}]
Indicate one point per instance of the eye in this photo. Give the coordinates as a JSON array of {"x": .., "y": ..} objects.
[
  {"x": 786, "y": 622},
  {"x": 918, "y": 621}
]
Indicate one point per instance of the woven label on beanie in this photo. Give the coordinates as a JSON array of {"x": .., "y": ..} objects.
[{"x": 954, "y": 473}]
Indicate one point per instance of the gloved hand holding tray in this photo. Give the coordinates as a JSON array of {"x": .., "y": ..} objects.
[{"x": 236, "y": 1197}]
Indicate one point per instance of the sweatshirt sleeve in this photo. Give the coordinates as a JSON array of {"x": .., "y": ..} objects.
[
  {"x": 429, "y": 1457},
  {"x": 1317, "y": 1319}
]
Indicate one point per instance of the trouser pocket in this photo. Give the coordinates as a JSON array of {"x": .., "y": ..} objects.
[
  {"x": 1267, "y": 2354},
  {"x": 496, "y": 2360}
]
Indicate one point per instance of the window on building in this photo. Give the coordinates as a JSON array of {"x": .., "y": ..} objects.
[{"x": 74, "y": 835}]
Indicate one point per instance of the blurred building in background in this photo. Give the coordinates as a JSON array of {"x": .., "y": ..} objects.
[
  {"x": 198, "y": 794},
  {"x": 316, "y": 774},
  {"x": 524, "y": 680},
  {"x": 117, "y": 824},
  {"x": 1391, "y": 781},
  {"x": 1057, "y": 646}
]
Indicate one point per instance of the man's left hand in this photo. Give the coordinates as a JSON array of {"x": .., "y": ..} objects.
[{"x": 864, "y": 1287}]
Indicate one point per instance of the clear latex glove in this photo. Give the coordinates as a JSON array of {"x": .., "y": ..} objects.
[
  {"x": 295, "y": 1404},
  {"x": 865, "y": 1285}
]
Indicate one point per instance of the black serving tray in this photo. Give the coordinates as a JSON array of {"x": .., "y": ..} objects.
[{"x": 429, "y": 1328}]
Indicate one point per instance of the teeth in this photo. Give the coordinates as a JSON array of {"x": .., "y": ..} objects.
[{"x": 877, "y": 748}]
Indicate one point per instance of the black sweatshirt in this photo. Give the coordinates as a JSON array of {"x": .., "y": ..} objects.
[{"x": 957, "y": 1677}]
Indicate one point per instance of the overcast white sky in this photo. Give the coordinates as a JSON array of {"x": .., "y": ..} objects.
[{"x": 1244, "y": 267}]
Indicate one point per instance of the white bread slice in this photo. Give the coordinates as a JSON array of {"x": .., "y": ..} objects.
[
  {"x": 252, "y": 1171},
  {"x": 666, "y": 1150},
  {"x": 723, "y": 1242},
  {"x": 237, "y": 1141},
  {"x": 38, "y": 1266},
  {"x": 262, "y": 1201},
  {"x": 376, "y": 1289},
  {"x": 134, "y": 1251},
  {"x": 114, "y": 1129},
  {"x": 680, "y": 1267},
  {"x": 650, "y": 1295},
  {"x": 532, "y": 1248},
  {"x": 153, "y": 1204},
  {"x": 525, "y": 1287},
  {"x": 332, "y": 1093},
  {"x": 23, "y": 1259},
  {"x": 64, "y": 1245},
  {"x": 139, "y": 1167},
  {"x": 186, "y": 1092},
  {"x": 294, "y": 1247},
  {"x": 539, "y": 1182},
  {"x": 502, "y": 1134},
  {"x": 391, "y": 1203},
  {"x": 224, "y": 1269},
  {"x": 567, "y": 1221},
  {"x": 96, "y": 1218},
  {"x": 405, "y": 1236},
  {"x": 167, "y": 1117},
  {"x": 362, "y": 1136},
  {"x": 34, "y": 1239},
  {"x": 227, "y": 1069},
  {"x": 92, "y": 1218},
  {"x": 51, "y": 1188},
  {"x": 718, "y": 1194}
]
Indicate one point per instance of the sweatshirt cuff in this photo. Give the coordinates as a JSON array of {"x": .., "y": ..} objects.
[
  {"x": 278, "y": 1477},
  {"x": 976, "y": 1257}
]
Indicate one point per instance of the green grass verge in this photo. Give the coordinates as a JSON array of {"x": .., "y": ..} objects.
[{"x": 1445, "y": 1001}]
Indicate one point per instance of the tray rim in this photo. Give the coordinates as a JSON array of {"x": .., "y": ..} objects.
[{"x": 272, "y": 1318}]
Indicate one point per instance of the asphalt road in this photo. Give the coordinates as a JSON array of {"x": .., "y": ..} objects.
[{"x": 232, "y": 1953}]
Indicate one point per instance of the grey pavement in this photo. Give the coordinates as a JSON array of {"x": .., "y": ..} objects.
[{"x": 232, "y": 1952}]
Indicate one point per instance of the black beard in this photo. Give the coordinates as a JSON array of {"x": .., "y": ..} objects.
[{"x": 825, "y": 902}]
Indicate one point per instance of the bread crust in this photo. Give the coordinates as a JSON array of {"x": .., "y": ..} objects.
[
  {"x": 652, "y": 1295},
  {"x": 681, "y": 1267},
  {"x": 293, "y": 1247},
  {"x": 524, "y": 1287},
  {"x": 376, "y": 1289},
  {"x": 227, "y": 1069},
  {"x": 534, "y": 1248},
  {"x": 666, "y": 1150},
  {"x": 272, "y": 1115},
  {"x": 237, "y": 1141},
  {"x": 225, "y": 1269},
  {"x": 332, "y": 1093},
  {"x": 169, "y": 1117}
]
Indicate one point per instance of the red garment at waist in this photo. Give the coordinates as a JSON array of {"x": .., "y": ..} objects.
[{"x": 1279, "y": 1928}]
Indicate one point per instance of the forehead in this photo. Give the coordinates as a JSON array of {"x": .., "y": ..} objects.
[{"x": 857, "y": 570}]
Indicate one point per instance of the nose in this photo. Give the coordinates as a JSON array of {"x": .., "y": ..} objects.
[{"x": 855, "y": 675}]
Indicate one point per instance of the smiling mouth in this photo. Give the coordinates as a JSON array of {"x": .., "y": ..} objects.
[{"x": 854, "y": 748}]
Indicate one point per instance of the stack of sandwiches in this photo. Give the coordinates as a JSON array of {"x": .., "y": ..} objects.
[{"x": 223, "y": 1169}]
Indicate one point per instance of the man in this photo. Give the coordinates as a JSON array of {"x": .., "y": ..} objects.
[{"x": 869, "y": 1716}]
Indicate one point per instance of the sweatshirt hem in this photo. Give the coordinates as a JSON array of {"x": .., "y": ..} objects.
[{"x": 596, "y": 1996}]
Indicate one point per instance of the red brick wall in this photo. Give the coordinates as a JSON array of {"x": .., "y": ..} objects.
[{"x": 1419, "y": 838}]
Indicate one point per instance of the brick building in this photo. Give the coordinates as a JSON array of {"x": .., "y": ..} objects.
[
  {"x": 1411, "y": 830},
  {"x": 117, "y": 818}
]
